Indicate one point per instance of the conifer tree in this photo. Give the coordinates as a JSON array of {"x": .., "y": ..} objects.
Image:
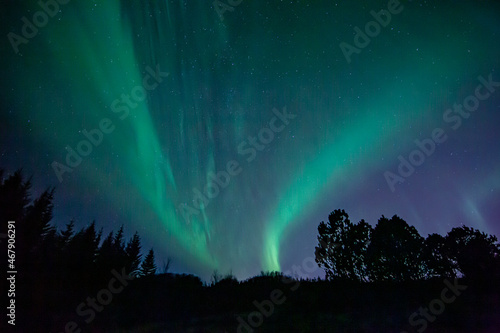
[
  {"x": 134, "y": 255},
  {"x": 148, "y": 266}
]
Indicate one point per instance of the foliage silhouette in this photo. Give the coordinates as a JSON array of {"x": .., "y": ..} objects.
[
  {"x": 134, "y": 255},
  {"x": 472, "y": 252},
  {"x": 148, "y": 266},
  {"x": 380, "y": 274},
  {"x": 395, "y": 251},
  {"x": 343, "y": 247},
  {"x": 58, "y": 268},
  {"x": 435, "y": 256}
]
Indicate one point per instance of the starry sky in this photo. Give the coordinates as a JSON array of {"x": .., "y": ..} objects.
[{"x": 225, "y": 133}]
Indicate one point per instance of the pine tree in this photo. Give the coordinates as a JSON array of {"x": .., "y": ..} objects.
[
  {"x": 38, "y": 217},
  {"x": 118, "y": 240},
  {"x": 83, "y": 251},
  {"x": 134, "y": 255},
  {"x": 119, "y": 252},
  {"x": 105, "y": 260},
  {"x": 148, "y": 266},
  {"x": 67, "y": 234}
]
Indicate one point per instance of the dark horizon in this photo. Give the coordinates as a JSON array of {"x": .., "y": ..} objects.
[{"x": 360, "y": 262}]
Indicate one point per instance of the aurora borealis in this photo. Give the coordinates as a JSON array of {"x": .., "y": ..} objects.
[{"x": 188, "y": 99}]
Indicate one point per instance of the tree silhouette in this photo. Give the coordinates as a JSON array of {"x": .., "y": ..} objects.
[
  {"x": 215, "y": 277},
  {"x": 472, "y": 252},
  {"x": 105, "y": 260},
  {"x": 359, "y": 236},
  {"x": 83, "y": 251},
  {"x": 148, "y": 266},
  {"x": 32, "y": 218},
  {"x": 67, "y": 234},
  {"x": 394, "y": 252},
  {"x": 59, "y": 268},
  {"x": 62, "y": 269},
  {"x": 133, "y": 251},
  {"x": 436, "y": 258},
  {"x": 14, "y": 196},
  {"x": 35, "y": 241},
  {"x": 166, "y": 265},
  {"x": 118, "y": 242},
  {"x": 38, "y": 216},
  {"x": 342, "y": 247},
  {"x": 120, "y": 258}
]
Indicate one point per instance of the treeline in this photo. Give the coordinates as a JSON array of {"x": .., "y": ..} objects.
[
  {"x": 56, "y": 268},
  {"x": 395, "y": 251},
  {"x": 80, "y": 280}
]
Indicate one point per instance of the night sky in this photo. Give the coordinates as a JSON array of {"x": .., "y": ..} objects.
[{"x": 277, "y": 105}]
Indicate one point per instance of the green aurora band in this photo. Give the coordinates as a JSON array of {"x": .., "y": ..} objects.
[{"x": 224, "y": 78}]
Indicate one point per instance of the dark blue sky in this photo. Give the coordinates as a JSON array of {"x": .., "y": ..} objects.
[{"x": 225, "y": 141}]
